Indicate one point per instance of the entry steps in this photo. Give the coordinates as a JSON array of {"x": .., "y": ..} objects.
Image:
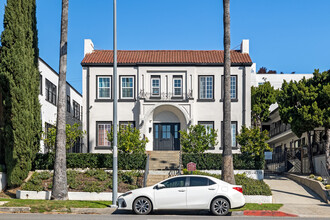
[{"x": 162, "y": 165}]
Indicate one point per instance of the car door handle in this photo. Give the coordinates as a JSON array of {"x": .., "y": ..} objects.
[
  {"x": 182, "y": 190},
  {"x": 211, "y": 188}
]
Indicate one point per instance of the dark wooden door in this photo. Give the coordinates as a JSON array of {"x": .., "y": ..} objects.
[{"x": 166, "y": 136}]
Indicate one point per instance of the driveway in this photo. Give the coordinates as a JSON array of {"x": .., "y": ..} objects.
[{"x": 296, "y": 199}]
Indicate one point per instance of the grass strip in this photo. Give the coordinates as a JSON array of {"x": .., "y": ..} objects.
[
  {"x": 257, "y": 206},
  {"x": 50, "y": 205}
]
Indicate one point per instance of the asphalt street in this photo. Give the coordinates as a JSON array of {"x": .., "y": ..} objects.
[{"x": 128, "y": 216}]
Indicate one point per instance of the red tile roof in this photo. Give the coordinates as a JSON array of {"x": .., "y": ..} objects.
[{"x": 133, "y": 57}]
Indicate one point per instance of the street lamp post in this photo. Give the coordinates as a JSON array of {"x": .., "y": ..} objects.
[{"x": 115, "y": 100}]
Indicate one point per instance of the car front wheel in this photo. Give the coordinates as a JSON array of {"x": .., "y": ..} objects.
[
  {"x": 142, "y": 206},
  {"x": 220, "y": 206}
]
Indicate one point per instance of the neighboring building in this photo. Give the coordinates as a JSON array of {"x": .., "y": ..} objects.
[
  {"x": 289, "y": 152},
  {"x": 48, "y": 98},
  {"x": 161, "y": 92}
]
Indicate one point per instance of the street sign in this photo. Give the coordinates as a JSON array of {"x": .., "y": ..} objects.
[
  {"x": 191, "y": 166},
  {"x": 268, "y": 155}
]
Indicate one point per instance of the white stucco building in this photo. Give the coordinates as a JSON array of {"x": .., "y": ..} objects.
[
  {"x": 161, "y": 92},
  {"x": 48, "y": 97}
]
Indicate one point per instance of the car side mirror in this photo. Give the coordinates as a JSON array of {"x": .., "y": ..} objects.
[{"x": 160, "y": 186}]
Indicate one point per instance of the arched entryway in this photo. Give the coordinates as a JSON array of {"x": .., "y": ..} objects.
[{"x": 165, "y": 122}]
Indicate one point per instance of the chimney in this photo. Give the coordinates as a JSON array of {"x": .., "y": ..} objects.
[
  {"x": 88, "y": 46},
  {"x": 245, "y": 46}
]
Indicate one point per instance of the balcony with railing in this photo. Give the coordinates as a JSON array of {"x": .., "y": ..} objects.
[
  {"x": 165, "y": 96},
  {"x": 278, "y": 128}
]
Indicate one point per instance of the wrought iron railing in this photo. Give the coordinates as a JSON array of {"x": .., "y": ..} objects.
[
  {"x": 325, "y": 173},
  {"x": 165, "y": 96}
]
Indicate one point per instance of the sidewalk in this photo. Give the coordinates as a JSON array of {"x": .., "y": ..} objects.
[{"x": 296, "y": 199}]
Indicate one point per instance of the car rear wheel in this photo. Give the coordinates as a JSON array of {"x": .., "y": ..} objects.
[
  {"x": 142, "y": 206},
  {"x": 220, "y": 206}
]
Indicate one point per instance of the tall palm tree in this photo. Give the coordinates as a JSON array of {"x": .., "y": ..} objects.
[
  {"x": 227, "y": 162},
  {"x": 60, "y": 189}
]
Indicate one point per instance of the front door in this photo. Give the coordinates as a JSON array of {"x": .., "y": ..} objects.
[{"x": 166, "y": 136}]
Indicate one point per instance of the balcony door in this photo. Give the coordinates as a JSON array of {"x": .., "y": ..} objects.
[{"x": 166, "y": 136}]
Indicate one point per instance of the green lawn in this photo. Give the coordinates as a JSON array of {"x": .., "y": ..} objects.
[
  {"x": 64, "y": 206},
  {"x": 49, "y": 205},
  {"x": 256, "y": 206}
]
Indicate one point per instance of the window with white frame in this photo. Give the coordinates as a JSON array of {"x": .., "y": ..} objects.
[
  {"x": 127, "y": 87},
  {"x": 208, "y": 125},
  {"x": 103, "y": 128},
  {"x": 124, "y": 124},
  {"x": 233, "y": 87},
  {"x": 155, "y": 86},
  {"x": 206, "y": 87},
  {"x": 233, "y": 128},
  {"x": 177, "y": 86},
  {"x": 104, "y": 87}
]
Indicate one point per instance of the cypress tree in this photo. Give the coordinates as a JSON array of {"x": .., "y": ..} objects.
[{"x": 19, "y": 85}]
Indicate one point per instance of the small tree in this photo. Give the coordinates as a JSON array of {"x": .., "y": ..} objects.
[
  {"x": 254, "y": 142},
  {"x": 197, "y": 139},
  {"x": 129, "y": 140},
  {"x": 261, "y": 98},
  {"x": 73, "y": 132},
  {"x": 321, "y": 81},
  {"x": 298, "y": 106}
]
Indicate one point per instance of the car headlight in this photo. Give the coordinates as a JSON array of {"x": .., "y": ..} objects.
[{"x": 126, "y": 194}]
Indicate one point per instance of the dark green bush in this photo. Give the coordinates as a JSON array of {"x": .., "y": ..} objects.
[
  {"x": 250, "y": 186},
  {"x": 126, "y": 161},
  {"x": 212, "y": 161}
]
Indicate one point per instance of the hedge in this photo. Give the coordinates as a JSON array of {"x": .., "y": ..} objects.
[
  {"x": 212, "y": 161},
  {"x": 250, "y": 186},
  {"x": 134, "y": 161}
]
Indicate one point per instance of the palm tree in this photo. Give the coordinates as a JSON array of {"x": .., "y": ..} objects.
[
  {"x": 227, "y": 162},
  {"x": 60, "y": 189}
]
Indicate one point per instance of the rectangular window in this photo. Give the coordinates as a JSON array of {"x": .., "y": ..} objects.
[
  {"x": 177, "y": 86},
  {"x": 233, "y": 128},
  {"x": 76, "y": 110},
  {"x": 103, "y": 128},
  {"x": 124, "y": 124},
  {"x": 233, "y": 87},
  {"x": 51, "y": 91},
  {"x": 47, "y": 131},
  {"x": 68, "y": 103},
  {"x": 40, "y": 84},
  {"x": 127, "y": 87},
  {"x": 104, "y": 87},
  {"x": 207, "y": 125},
  {"x": 206, "y": 87},
  {"x": 155, "y": 86}
]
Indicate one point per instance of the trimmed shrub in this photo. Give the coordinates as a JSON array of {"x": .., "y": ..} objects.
[
  {"x": 126, "y": 161},
  {"x": 211, "y": 161},
  {"x": 312, "y": 176},
  {"x": 319, "y": 179},
  {"x": 250, "y": 186}
]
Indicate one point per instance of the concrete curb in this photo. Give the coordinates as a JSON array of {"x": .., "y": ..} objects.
[
  {"x": 104, "y": 211},
  {"x": 15, "y": 209}
]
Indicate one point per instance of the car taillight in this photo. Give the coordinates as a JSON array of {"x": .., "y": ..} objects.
[{"x": 239, "y": 189}]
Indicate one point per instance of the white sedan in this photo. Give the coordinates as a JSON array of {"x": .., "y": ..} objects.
[{"x": 184, "y": 192}]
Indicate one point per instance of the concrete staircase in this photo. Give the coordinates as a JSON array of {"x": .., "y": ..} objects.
[
  {"x": 164, "y": 160},
  {"x": 162, "y": 165}
]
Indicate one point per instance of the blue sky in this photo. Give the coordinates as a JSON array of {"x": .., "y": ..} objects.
[{"x": 285, "y": 35}]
